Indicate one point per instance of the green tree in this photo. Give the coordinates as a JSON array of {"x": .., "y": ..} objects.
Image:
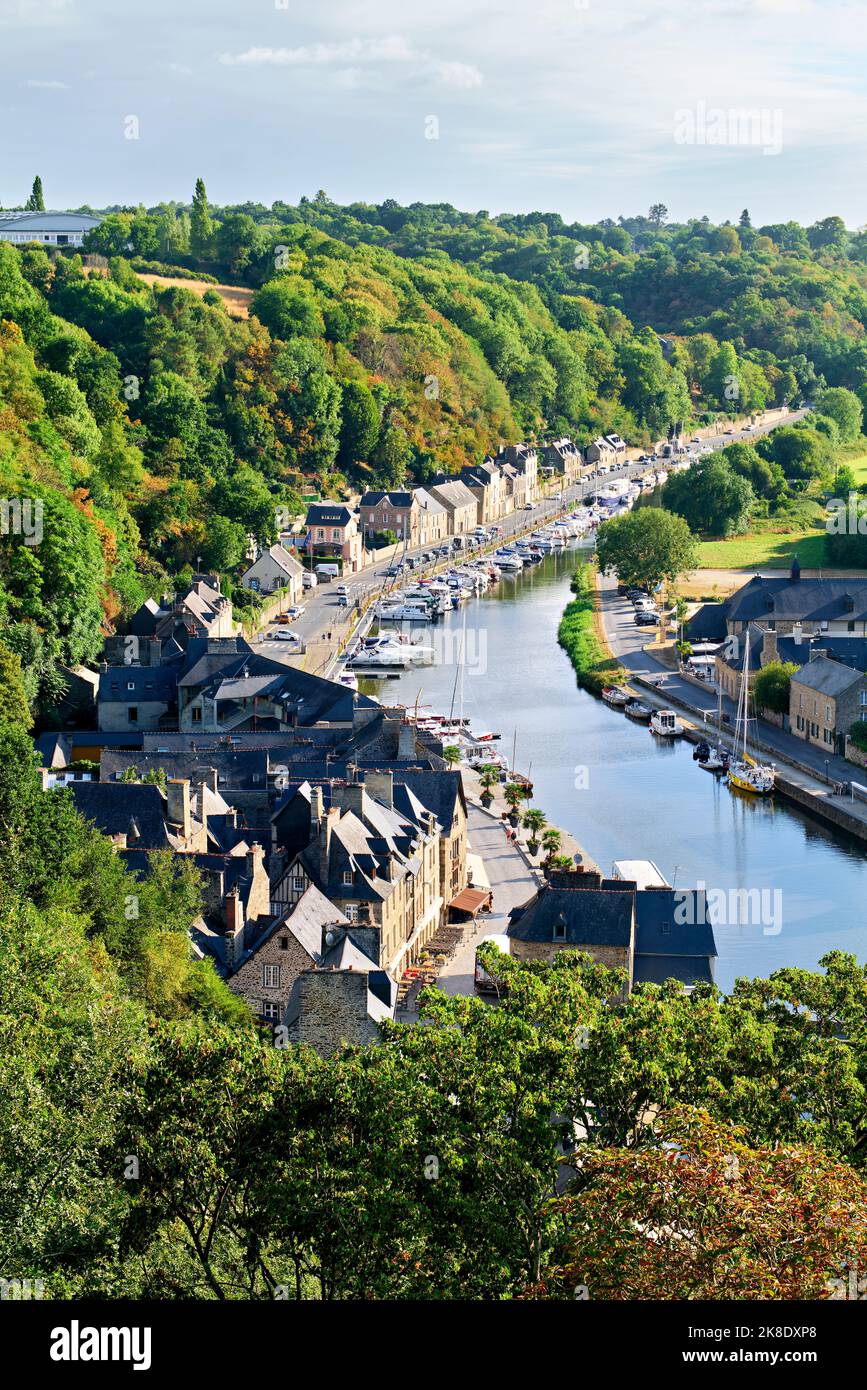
[
  {"x": 772, "y": 686},
  {"x": 36, "y": 201},
  {"x": 14, "y": 708},
  {"x": 845, "y": 408},
  {"x": 359, "y": 428},
  {"x": 201, "y": 224},
  {"x": 646, "y": 546},
  {"x": 712, "y": 498}
]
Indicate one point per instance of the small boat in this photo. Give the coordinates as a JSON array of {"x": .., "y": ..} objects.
[
  {"x": 615, "y": 695},
  {"x": 664, "y": 723},
  {"x": 717, "y": 760},
  {"x": 634, "y": 709}
]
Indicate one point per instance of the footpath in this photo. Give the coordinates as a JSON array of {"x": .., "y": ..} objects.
[{"x": 825, "y": 787}]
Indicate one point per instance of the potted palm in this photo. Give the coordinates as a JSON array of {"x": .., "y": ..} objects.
[
  {"x": 534, "y": 821},
  {"x": 489, "y": 776},
  {"x": 452, "y": 754},
  {"x": 514, "y": 795},
  {"x": 552, "y": 839}
]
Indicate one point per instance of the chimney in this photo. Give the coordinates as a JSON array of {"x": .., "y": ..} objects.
[
  {"x": 795, "y": 572},
  {"x": 178, "y": 808},
  {"x": 848, "y": 603},
  {"x": 381, "y": 786},
  {"x": 326, "y": 825},
  {"x": 234, "y": 936},
  {"x": 255, "y": 859},
  {"x": 770, "y": 650},
  {"x": 406, "y": 741},
  {"x": 351, "y": 797},
  {"x": 316, "y": 806},
  {"x": 816, "y": 652},
  {"x": 797, "y": 633}
]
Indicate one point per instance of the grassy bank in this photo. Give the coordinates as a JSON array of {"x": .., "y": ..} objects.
[{"x": 581, "y": 637}]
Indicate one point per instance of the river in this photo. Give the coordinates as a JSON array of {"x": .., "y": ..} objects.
[{"x": 624, "y": 794}]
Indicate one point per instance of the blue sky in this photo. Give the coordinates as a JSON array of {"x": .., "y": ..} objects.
[{"x": 564, "y": 105}]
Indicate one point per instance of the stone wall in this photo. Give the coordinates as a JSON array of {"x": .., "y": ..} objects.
[{"x": 332, "y": 1008}]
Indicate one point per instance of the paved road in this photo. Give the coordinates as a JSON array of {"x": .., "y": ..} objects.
[
  {"x": 627, "y": 642},
  {"x": 323, "y": 613},
  {"x": 512, "y": 884}
]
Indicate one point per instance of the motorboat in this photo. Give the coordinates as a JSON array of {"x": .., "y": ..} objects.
[
  {"x": 634, "y": 709},
  {"x": 615, "y": 695},
  {"x": 665, "y": 724}
]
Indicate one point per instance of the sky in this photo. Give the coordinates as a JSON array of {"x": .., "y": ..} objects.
[{"x": 590, "y": 108}]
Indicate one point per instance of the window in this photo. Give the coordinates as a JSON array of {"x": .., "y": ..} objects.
[
  {"x": 297, "y": 883},
  {"x": 560, "y": 928},
  {"x": 351, "y": 911},
  {"x": 850, "y": 627},
  {"x": 197, "y": 714},
  {"x": 320, "y": 533},
  {"x": 130, "y": 685},
  {"x": 132, "y": 714},
  {"x": 271, "y": 976},
  {"x": 270, "y": 1009},
  {"x": 862, "y": 699},
  {"x": 827, "y": 714},
  {"x": 347, "y": 877},
  {"x": 335, "y": 534},
  {"x": 284, "y": 943}
]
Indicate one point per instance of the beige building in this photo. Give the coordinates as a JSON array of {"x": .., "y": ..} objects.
[
  {"x": 433, "y": 518},
  {"x": 461, "y": 505},
  {"x": 275, "y": 569}
]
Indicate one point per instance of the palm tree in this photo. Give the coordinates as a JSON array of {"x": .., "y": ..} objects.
[
  {"x": 552, "y": 839},
  {"x": 514, "y": 794},
  {"x": 452, "y": 754},
  {"x": 534, "y": 821},
  {"x": 489, "y": 776}
]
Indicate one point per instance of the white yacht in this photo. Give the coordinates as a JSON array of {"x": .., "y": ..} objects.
[{"x": 664, "y": 723}]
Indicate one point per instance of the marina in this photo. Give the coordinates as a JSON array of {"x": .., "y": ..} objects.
[{"x": 621, "y": 794}]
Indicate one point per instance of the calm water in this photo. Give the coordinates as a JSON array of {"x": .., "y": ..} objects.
[{"x": 641, "y": 798}]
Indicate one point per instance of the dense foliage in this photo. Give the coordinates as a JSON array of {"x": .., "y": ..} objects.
[{"x": 154, "y": 432}]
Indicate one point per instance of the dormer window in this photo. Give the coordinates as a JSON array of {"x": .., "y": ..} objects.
[
  {"x": 560, "y": 928},
  {"x": 347, "y": 877}
]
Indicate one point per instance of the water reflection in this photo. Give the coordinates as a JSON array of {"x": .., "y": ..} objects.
[{"x": 624, "y": 793}]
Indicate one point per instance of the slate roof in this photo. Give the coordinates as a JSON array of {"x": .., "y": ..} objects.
[
  {"x": 707, "y": 624},
  {"x": 328, "y": 514},
  {"x": 395, "y": 499},
  {"x": 660, "y": 928},
  {"x": 281, "y": 558},
  {"x": 150, "y": 683},
  {"x": 237, "y": 768},
  {"x": 454, "y": 493},
  {"x": 427, "y": 502},
  {"x": 592, "y": 916},
  {"x": 827, "y": 677},
  {"x": 799, "y": 600},
  {"x": 124, "y": 808},
  {"x": 850, "y": 651}
]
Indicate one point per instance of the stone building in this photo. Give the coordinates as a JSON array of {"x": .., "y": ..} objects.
[
  {"x": 651, "y": 934},
  {"x": 825, "y": 699}
]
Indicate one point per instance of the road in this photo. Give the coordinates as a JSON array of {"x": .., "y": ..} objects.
[
  {"x": 512, "y": 884},
  {"x": 324, "y": 624}
]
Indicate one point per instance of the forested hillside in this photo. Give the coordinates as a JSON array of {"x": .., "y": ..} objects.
[{"x": 383, "y": 342}]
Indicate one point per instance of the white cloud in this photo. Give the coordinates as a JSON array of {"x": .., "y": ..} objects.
[
  {"x": 349, "y": 56},
  {"x": 46, "y": 84}
]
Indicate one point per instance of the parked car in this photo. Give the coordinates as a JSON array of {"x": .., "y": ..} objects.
[
  {"x": 643, "y": 619},
  {"x": 286, "y": 636},
  {"x": 309, "y": 580},
  {"x": 342, "y": 589},
  {"x": 294, "y": 611}
]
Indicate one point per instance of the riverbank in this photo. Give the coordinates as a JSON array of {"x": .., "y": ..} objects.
[{"x": 582, "y": 635}]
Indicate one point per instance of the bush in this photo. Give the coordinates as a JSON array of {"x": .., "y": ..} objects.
[{"x": 579, "y": 638}]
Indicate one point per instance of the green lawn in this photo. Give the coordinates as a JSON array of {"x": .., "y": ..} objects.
[{"x": 772, "y": 550}]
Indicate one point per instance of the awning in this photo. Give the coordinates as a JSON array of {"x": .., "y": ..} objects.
[{"x": 471, "y": 899}]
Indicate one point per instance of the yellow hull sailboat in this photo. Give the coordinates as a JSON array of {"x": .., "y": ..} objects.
[{"x": 744, "y": 772}]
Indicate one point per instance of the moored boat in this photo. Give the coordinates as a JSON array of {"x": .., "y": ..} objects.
[
  {"x": 634, "y": 709},
  {"x": 665, "y": 724},
  {"x": 615, "y": 695}
]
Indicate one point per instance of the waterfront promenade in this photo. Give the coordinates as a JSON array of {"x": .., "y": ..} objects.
[{"x": 808, "y": 775}]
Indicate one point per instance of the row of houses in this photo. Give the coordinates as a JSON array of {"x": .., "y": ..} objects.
[
  {"x": 817, "y": 625},
  {"x": 328, "y": 832}
]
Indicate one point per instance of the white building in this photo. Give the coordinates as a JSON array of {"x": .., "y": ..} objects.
[
  {"x": 274, "y": 569},
  {"x": 47, "y": 228}
]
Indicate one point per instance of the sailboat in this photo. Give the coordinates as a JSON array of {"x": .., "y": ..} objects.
[
  {"x": 716, "y": 759},
  {"x": 743, "y": 771}
]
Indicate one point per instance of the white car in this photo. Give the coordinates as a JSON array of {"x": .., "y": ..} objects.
[
  {"x": 284, "y": 636},
  {"x": 295, "y": 611}
]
